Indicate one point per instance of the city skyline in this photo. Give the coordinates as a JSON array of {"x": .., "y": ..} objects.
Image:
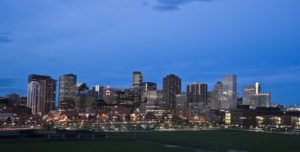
[
  {"x": 150, "y": 75},
  {"x": 229, "y": 82},
  {"x": 210, "y": 87},
  {"x": 103, "y": 42}
]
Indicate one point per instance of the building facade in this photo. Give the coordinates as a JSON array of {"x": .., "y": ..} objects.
[
  {"x": 198, "y": 108},
  {"x": 181, "y": 104},
  {"x": 253, "y": 97},
  {"x": 149, "y": 86},
  {"x": 13, "y": 99},
  {"x": 197, "y": 93},
  {"x": 41, "y": 94},
  {"x": 171, "y": 87},
  {"x": 100, "y": 91},
  {"x": 67, "y": 92},
  {"x": 229, "y": 92},
  {"x": 137, "y": 79}
]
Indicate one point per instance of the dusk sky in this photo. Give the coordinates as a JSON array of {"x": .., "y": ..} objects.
[{"x": 104, "y": 41}]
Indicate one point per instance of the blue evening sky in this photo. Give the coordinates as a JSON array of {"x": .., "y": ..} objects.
[{"x": 103, "y": 41}]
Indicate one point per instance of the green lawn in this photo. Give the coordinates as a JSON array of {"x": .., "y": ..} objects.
[
  {"x": 86, "y": 146},
  {"x": 156, "y": 141},
  {"x": 223, "y": 140}
]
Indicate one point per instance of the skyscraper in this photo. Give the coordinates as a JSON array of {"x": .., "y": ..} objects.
[
  {"x": 67, "y": 91},
  {"x": 100, "y": 91},
  {"x": 197, "y": 101},
  {"x": 248, "y": 94},
  {"x": 229, "y": 98},
  {"x": 253, "y": 97},
  {"x": 149, "y": 86},
  {"x": 13, "y": 99},
  {"x": 171, "y": 87},
  {"x": 197, "y": 93},
  {"x": 41, "y": 93},
  {"x": 181, "y": 104},
  {"x": 111, "y": 95},
  {"x": 85, "y": 99},
  {"x": 137, "y": 79},
  {"x": 32, "y": 95},
  {"x": 215, "y": 97}
]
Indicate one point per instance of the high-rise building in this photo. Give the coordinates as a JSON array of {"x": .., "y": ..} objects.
[
  {"x": 197, "y": 101},
  {"x": 32, "y": 95},
  {"x": 85, "y": 99},
  {"x": 253, "y": 97},
  {"x": 150, "y": 103},
  {"x": 137, "y": 79},
  {"x": 248, "y": 94},
  {"x": 13, "y": 99},
  {"x": 197, "y": 93},
  {"x": 181, "y": 104},
  {"x": 215, "y": 97},
  {"x": 112, "y": 95},
  {"x": 41, "y": 93},
  {"x": 149, "y": 86},
  {"x": 100, "y": 91},
  {"x": 67, "y": 91},
  {"x": 171, "y": 87},
  {"x": 229, "y": 97}
]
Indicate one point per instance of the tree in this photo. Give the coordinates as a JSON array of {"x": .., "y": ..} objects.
[
  {"x": 150, "y": 116},
  {"x": 21, "y": 121},
  {"x": 48, "y": 125},
  {"x": 164, "y": 117},
  {"x": 87, "y": 126},
  {"x": 176, "y": 119},
  {"x": 8, "y": 120}
]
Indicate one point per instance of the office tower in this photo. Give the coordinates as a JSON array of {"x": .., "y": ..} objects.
[
  {"x": 111, "y": 95},
  {"x": 210, "y": 99},
  {"x": 144, "y": 93},
  {"x": 41, "y": 93},
  {"x": 13, "y": 99},
  {"x": 171, "y": 87},
  {"x": 85, "y": 99},
  {"x": 137, "y": 79},
  {"x": 262, "y": 100},
  {"x": 181, "y": 104},
  {"x": 132, "y": 96},
  {"x": 253, "y": 97},
  {"x": 229, "y": 99},
  {"x": 81, "y": 95},
  {"x": 215, "y": 97},
  {"x": 248, "y": 94},
  {"x": 81, "y": 88},
  {"x": 197, "y": 101},
  {"x": 149, "y": 86},
  {"x": 32, "y": 95},
  {"x": 100, "y": 91},
  {"x": 150, "y": 102},
  {"x": 197, "y": 93},
  {"x": 67, "y": 91}
]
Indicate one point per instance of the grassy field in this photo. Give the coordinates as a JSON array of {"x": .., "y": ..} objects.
[
  {"x": 223, "y": 140},
  {"x": 87, "y": 146},
  {"x": 157, "y": 141}
]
